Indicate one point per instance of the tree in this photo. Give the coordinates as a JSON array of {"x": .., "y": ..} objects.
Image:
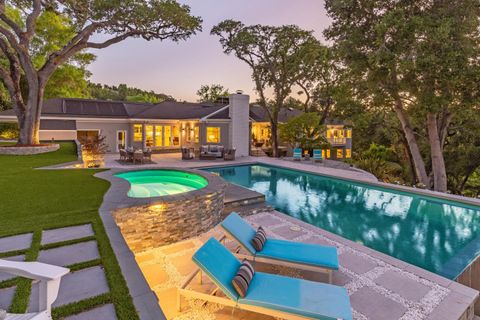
[
  {"x": 123, "y": 92},
  {"x": 275, "y": 56},
  {"x": 304, "y": 130},
  {"x": 114, "y": 20},
  {"x": 210, "y": 93},
  {"x": 420, "y": 58}
]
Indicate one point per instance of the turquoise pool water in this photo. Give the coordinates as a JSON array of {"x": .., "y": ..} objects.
[
  {"x": 157, "y": 183},
  {"x": 432, "y": 233}
]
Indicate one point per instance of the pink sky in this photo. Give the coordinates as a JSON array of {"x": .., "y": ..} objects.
[{"x": 179, "y": 69}]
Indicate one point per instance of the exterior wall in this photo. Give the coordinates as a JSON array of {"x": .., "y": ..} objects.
[
  {"x": 224, "y": 133},
  {"x": 58, "y": 135},
  {"x": 239, "y": 112},
  {"x": 107, "y": 129}
]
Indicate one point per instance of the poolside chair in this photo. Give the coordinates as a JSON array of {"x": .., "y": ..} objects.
[
  {"x": 49, "y": 277},
  {"x": 297, "y": 154},
  {"x": 268, "y": 294},
  {"x": 317, "y": 155},
  {"x": 310, "y": 257}
]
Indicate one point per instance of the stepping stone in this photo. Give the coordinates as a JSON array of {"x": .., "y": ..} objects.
[
  {"x": 376, "y": 306},
  {"x": 66, "y": 234},
  {"x": 7, "y": 276},
  {"x": 105, "y": 312},
  {"x": 406, "y": 287},
  {"x": 356, "y": 263},
  {"x": 76, "y": 286},
  {"x": 20, "y": 242},
  {"x": 6, "y": 297},
  {"x": 68, "y": 255}
]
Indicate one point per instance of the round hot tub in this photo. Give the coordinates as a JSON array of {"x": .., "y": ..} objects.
[
  {"x": 159, "y": 183},
  {"x": 153, "y": 208}
]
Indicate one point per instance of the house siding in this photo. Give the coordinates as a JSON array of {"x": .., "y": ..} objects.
[
  {"x": 224, "y": 132},
  {"x": 108, "y": 130}
]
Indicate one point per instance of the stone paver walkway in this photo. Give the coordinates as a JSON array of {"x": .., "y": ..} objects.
[
  {"x": 83, "y": 283},
  {"x": 380, "y": 287}
]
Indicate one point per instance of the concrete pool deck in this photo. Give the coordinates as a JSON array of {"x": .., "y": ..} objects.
[{"x": 380, "y": 287}]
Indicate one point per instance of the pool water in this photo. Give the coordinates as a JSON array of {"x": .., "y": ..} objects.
[
  {"x": 432, "y": 233},
  {"x": 157, "y": 183}
]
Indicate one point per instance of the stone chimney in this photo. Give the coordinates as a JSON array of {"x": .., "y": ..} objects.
[{"x": 239, "y": 112}]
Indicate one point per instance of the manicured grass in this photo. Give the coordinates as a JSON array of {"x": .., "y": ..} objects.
[{"x": 35, "y": 200}]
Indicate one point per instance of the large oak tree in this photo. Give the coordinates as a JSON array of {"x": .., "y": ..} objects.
[
  {"x": 275, "y": 55},
  {"x": 421, "y": 59},
  {"x": 110, "y": 20}
]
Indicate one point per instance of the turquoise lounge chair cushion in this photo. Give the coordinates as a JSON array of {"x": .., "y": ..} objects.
[
  {"x": 297, "y": 296},
  {"x": 297, "y": 252},
  {"x": 240, "y": 230},
  {"x": 317, "y": 154},
  {"x": 297, "y": 152},
  {"x": 282, "y": 250},
  {"x": 219, "y": 264}
]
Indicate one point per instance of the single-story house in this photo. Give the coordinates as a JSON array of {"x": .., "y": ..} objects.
[{"x": 163, "y": 127}]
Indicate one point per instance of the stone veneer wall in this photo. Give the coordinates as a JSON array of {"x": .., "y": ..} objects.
[
  {"x": 25, "y": 151},
  {"x": 171, "y": 218}
]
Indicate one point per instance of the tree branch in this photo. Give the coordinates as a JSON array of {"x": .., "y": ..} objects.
[
  {"x": 31, "y": 22},
  {"x": 9, "y": 22}
]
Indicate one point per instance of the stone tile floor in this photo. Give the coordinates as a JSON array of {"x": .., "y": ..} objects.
[
  {"x": 76, "y": 286},
  {"x": 379, "y": 287}
]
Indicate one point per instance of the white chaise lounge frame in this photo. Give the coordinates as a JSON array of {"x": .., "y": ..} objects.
[
  {"x": 250, "y": 257},
  {"x": 211, "y": 297},
  {"x": 49, "y": 277}
]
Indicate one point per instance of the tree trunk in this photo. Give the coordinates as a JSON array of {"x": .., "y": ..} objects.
[
  {"x": 417, "y": 159},
  {"x": 29, "y": 120},
  {"x": 438, "y": 163},
  {"x": 274, "y": 139}
]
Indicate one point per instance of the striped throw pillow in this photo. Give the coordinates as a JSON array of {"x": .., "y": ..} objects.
[
  {"x": 259, "y": 240},
  {"x": 242, "y": 279}
]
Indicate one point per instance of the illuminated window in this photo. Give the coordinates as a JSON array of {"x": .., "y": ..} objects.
[
  {"x": 176, "y": 136},
  {"x": 323, "y": 154},
  {"x": 328, "y": 154},
  {"x": 149, "y": 136},
  {"x": 330, "y": 133},
  {"x": 213, "y": 134},
  {"x": 196, "y": 134},
  {"x": 158, "y": 136},
  {"x": 349, "y": 133},
  {"x": 339, "y": 153},
  {"x": 137, "y": 132}
]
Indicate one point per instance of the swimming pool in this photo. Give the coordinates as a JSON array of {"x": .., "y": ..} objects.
[
  {"x": 435, "y": 234},
  {"x": 157, "y": 183}
]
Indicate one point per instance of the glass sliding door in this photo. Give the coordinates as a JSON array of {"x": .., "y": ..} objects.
[
  {"x": 176, "y": 136},
  {"x": 159, "y": 136},
  {"x": 149, "y": 136}
]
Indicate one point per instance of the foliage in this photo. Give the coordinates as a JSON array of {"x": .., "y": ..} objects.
[
  {"x": 8, "y": 131},
  {"x": 304, "y": 131},
  {"x": 93, "y": 151},
  {"x": 37, "y": 37},
  {"x": 211, "y": 93},
  {"x": 123, "y": 92},
  {"x": 381, "y": 162},
  {"x": 275, "y": 56},
  {"x": 415, "y": 58}
]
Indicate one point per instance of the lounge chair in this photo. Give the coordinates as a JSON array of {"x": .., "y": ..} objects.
[
  {"x": 268, "y": 294},
  {"x": 229, "y": 155},
  {"x": 188, "y": 153},
  {"x": 297, "y": 154},
  {"x": 317, "y": 155},
  {"x": 49, "y": 277},
  {"x": 311, "y": 257}
]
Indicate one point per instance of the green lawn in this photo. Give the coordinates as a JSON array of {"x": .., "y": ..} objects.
[{"x": 35, "y": 200}]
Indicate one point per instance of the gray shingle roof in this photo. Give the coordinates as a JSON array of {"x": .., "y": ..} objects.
[{"x": 58, "y": 125}]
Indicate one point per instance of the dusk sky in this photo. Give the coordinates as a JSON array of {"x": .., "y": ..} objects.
[{"x": 179, "y": 69}]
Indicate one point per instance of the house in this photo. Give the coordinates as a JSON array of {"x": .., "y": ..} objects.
[{"x": 169, "y": 125}]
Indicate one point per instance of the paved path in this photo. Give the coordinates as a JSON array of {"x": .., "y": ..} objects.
[{"x": 71, "y": 246}]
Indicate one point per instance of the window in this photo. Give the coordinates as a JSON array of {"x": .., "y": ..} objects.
[
  {"x": 213, "y": 134},
  {"x": 349, "y": 133},
  {"x": 158, "y": 136},
  {"x": 85, "y": 136},
  {"x": 196, "y": 134},
  {"x": 328, "y": 154},
  {"x": 167, "y": 135},
  {"x": 323, "y": 154},
  {"x": 348, "y": 153},
  {"x": 149, "y": 136},
  {"x": 137, "y": 132},
  {"x": 176, "y": 136},
  {"x": 339, "y": 153}
]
